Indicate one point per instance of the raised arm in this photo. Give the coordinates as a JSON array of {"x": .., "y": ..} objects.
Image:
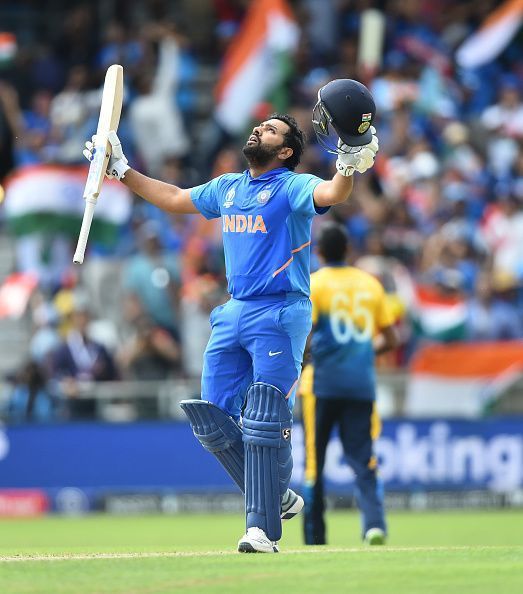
[
  {"x": 351, "y": 159},
  {"x": 333, "y": 191},
  {"x": 165, "y": 196},
  {"x": 168, "y": 197}
]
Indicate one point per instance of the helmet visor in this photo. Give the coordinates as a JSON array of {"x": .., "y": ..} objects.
[{"x": 327, "y": 136}]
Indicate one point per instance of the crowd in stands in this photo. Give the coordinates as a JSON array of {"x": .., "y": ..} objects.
[{"x": 442, "y": 210}]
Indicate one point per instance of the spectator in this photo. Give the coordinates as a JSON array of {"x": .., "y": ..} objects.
[
  {"x": 29, "y": 400},
  {"x": 153, "y": 277},
  {"x": 503, "y": 231},
  {"x": 70, "y": 113},
  {"x": 492, "y": 312},
  {"x": 150, "y": 354},
  {"x": 79, "y": 360},
  {"x": 154, "y": 113}
]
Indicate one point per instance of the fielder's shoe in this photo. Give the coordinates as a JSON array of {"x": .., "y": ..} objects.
[
  {"x": 291, "y": 505},
  {"x": 374, "y": 536},
  {"x": 256, "y": 541}
]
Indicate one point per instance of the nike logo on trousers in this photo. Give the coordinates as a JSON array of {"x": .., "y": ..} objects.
[{"x": 271, "y": 354}]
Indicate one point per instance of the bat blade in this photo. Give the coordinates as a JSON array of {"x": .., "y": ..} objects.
[{"x": 109, "y": 118}]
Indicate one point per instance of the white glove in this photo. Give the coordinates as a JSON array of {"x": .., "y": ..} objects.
[
  {"x": 117, "y": 165},
  {"x": 349, "y": 162}
]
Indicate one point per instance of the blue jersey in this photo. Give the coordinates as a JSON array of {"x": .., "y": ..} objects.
[{"x": 266, "y": 224}]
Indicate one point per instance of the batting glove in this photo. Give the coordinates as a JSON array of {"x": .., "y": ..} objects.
[
  {"x": 117, "y": 165},
  {"x": 352, "y": 159}
]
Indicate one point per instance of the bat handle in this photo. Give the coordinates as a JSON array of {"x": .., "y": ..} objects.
[{"x": 84, "y": 231}]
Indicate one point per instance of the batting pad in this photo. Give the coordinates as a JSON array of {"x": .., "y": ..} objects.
[
  {"x": 219, "y": 434},
  {"x": 267, "y": 423}
]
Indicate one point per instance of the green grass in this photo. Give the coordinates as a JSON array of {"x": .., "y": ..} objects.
[{"x": 451, "y": 552}]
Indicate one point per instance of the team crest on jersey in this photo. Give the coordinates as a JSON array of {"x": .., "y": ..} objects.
[
  {"x": 263, "y": 197},
  {"x": 229, "y": 198}
]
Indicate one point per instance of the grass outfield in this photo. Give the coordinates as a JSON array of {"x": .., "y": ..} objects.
[{"x": 452, "y": 552}]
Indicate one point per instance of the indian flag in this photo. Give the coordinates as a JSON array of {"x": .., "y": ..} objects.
[
  {"x": 493, "y": 36},
  {"x": 48, "y": 199},
  {"x": 255, "y": 63},
  {"x": 462, "y": 379},
  {"x": 437, "y": 316},
  {"x": 7, "y": 46},
  {"x": 15, "y": 292}
]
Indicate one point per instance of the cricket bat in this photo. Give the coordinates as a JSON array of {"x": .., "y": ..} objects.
[{"x": 109, "y": 119}]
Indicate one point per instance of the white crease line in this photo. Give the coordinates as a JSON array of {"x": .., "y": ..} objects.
[{"x": 174, "y": 554}]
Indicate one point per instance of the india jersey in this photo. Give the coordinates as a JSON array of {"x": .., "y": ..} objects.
[
  {"x": 349, "y": 308},
  {"x": 266, "y": 223}
]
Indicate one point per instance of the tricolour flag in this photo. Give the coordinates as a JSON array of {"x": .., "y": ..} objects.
[
  {"x": 8, "y": 46},
  {"x": 461, "y": 379},
  {"x": 15, "y": 292},
  {"x": 254, "y": 65},
  {"x": 48, "y": 199},
  {"x": 493, "y": 36},
  {"x": 438, "y": 317}
]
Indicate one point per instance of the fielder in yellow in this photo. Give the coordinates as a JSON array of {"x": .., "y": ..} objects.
[{"x": 352, "y": 322}]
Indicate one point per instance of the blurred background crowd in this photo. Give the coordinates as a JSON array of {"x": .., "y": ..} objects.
[{"x": 439, "y": 219}]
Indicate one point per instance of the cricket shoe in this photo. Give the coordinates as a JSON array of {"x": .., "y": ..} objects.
[
  {"x": 291, "y": 505},
  {"x": 256, "y": 541},
  {"x": 374, "y": 536}
]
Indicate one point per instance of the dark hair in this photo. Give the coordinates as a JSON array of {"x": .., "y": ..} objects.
[
  {"x": 333, "y": 242},
  {"x": 294, "y": 139}
]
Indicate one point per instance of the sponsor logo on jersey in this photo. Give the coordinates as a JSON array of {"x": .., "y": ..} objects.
[
  {"x": 240, "y": 223},
  {"x": 229, "y": 198}
]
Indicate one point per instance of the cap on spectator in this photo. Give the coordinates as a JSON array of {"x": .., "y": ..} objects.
[{"x": 503, "y": 280}]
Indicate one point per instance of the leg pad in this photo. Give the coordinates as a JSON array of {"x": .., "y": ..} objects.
[
  {"x": 267, "y": 423},
  {"x": 219, "y": 434}
]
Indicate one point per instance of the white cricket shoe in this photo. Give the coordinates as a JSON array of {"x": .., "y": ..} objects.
[
  {"x": 374, "y": 536},
  {"x": 291, "y": 505},
  {"x": 256, "y": 541}
]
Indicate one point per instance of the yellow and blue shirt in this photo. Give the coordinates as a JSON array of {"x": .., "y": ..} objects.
[
  {"x": 349, "y": 307},
  {"x": 266, "y": 225}
]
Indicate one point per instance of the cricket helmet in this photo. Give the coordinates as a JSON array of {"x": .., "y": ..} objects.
[{"x": 345, "y": 110}]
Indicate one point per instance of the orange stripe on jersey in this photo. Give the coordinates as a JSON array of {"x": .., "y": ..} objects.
[
  {"x": 276, "y": 272},
  {"x": 298, "y": 249},
  {"x": 294, "y": 251}
]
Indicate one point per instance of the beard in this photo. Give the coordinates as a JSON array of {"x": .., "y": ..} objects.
[{"x": 260, "y": 155}]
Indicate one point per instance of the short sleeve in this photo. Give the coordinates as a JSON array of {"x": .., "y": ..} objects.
[
  {"x": 205, "y": 198},
  {"x": 384, "y": 313},
  {"x": 301, "y": 194}
]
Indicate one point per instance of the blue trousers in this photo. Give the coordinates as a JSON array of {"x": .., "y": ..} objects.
[{"x": 255, "y": 340}]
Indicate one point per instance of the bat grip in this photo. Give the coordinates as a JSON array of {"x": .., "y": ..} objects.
[{"x": 84, "y": 231}]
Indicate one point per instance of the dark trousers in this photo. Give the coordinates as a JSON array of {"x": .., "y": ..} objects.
[{"x": 354, "y": 419}]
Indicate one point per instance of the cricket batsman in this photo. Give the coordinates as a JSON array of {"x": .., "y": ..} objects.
[{"x": 253, "y": 360}]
